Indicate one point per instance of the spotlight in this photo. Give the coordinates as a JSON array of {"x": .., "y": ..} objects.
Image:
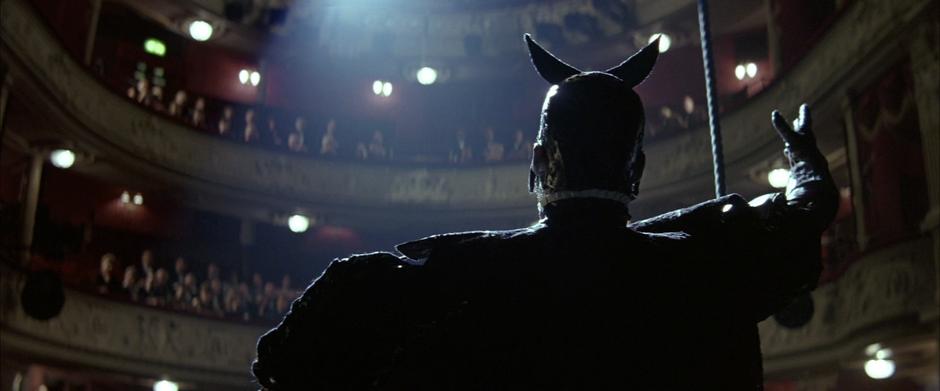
[
  {"x": 138, "y": 199},
  {"x": 200, "y": 30},
  {"x": 298, "y": 223},
  {"x": 426, "y": 75},
  {"x": 664, "y": 41},
  {"x": 377, "y": 87},
  {"x": 255, "y": 78},
  {"x": 243, "y": 76},
  {"x": 751, "y": 69},
  {"x": 879, "y": 368},
  {"x": 739, "y": 72},
  {"x": 778, "y": 177},
  {"x": 125, "y": 197},
  {"x": 165, "y": 385},
  {"x": 387, "y": 88},
  {"x": 62, "y": 158}
]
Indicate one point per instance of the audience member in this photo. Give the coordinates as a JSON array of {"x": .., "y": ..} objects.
[
  {"x": 295, "y": 140},
  {"x": 146, "y": 264},
  {"x": 362, "y": 151},
  {"x": 203, "y": 303},
  {"x": 328, "y": 144},
  {"x": 197, "y": 116},
  {"x": 521, "y": 148},
  {"x": 377, "y": 146},
  {"x": 179, "y": 271},
  {"x": 462, "y": 152},
  {"x": 156, "y": 99},
  {"x": 142, "y": 94},
  {"x": 225, "y": 123},
  {"x": 186, "y": 292},
  {"x": 273, "y": 137},
  {"x": 105, "y": 282},
  {"x": 156, "y": 291},
  {"x": 178, "y": 105},
  {"x": 250, "y": 135},
  {"x": 131, "y": 286},
  {"x": 492, "y": 150}
]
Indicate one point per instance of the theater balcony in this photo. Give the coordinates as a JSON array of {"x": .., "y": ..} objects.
[{"x": 270, "y": 206}]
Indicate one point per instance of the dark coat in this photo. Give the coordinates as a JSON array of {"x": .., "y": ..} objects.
[{"x": 578, "y": 301}]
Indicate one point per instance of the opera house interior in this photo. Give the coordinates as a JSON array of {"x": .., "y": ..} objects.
[{"x": 174, "y": 173}]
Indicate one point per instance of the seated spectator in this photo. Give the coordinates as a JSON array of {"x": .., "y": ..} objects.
[
  {"x": 213, "y": 272},
  {"x": 203, "y": 303},
  {"x": 377, "y": 146},
  {"x": 329, "y": 146},
  {"x": 462, "y": 152},
  {"x": 197, "y": 116},
  {"x": 295, "y": 140},
  {"x": 131, "y": 286},
  {"x": 235, "y": 306},
  {"x": 267, "y": 308},
  {"x": 273, "y": 136},
  {"x": 178, "y": 105},
  {"x": 142, "y": 94},
  {"x": 156, "y": 99},
  {"x": 179, "y": 271},
  {"x": 105, "y": 283},
  {"x": 257, "y": 287},
  {"x": 286, "y": 287},
  {"x": 157, "y": 290},
  {"x": 492, "y": 151},
  {"x": 218, "y": 298},
  {"x": 362, "y": 152},
  {"x": 280, "y": 306},
  {"x": 185, "y": 293},
  {"x": 247, "y": 300},
  {"x": 225, "y": 123},
  {"x": 521, "y": 148},
  {"x": 250, "y": 135},
  {"x": 146, "y": 264}
]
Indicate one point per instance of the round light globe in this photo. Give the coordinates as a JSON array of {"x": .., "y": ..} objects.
[
  {"x": 426, "y": 75},
  {"x": 255, "y": 78},
  {"x": 62, "y": 158},
  {"x": 387, "y": 89},
  {"x": 778, "y": 177},
  {"x": 165, "y": 385},
  {"x": 751, "y": 69},
  {"x": 664, "y": 41},
  {"x": 243, "y": 76},
  {"x": 298, "y": 223},
  {"x": 740, "y": 72},
  {"x": 879, "y": 368},
  {"x": 200, "y": 30},
  {"x": 377, "y": 87}
]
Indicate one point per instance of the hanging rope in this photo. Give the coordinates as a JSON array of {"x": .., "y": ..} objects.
[{"x": 718, "y": 160}]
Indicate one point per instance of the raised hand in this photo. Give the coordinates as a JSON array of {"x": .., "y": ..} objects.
[{"x": 798, "y": 140}]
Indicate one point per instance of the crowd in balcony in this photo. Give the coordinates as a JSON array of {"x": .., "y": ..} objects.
[
  {"x": 183, "y": 289},
  {"x": 247, "y": 126}
]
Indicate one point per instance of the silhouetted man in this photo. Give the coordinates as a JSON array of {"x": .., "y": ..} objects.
[{"x": 581, "y": 300}]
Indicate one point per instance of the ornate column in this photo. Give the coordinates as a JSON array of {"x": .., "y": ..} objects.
[
  {"x": 30, "y": 204},
  {"x": 925, "y": 66}
]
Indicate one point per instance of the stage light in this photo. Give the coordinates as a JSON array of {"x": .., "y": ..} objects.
[
  {"x": 138, "y": 199},
  {"x": 879, "y": 368},
  {"x": 387, "y": 88},
  {"x": 740, "y": 72},
  {"x": 751, "y": 69},
  {"x": 200, "y": 30},
  {"x": 298, "y": 223},
  {"x": 377, "y": 87},
  {"x": 778, "y": 177},
  {"x": 155, "y": 46},
  {"x": 426, "y": 75},
  {"x": 243, "y": 76},
  {"x": 664, "y": 41},
  {"x": 125, "y": 197},
  {"x": 62, "y": 158},
  {"x": 165, "y": 385},
  {"x": 255, "y": 78}
]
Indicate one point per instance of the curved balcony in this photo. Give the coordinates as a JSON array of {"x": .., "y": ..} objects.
[{"x": 110, "y": 127}]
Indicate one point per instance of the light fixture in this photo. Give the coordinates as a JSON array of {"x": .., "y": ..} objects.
[
  {"x": 62, "y": 158},
  {"x": 778, "y": 177},
  {"x": 243, "y": 76},
  {"x": 165, "y": 385},
  {"x": 125, "y": 197},
  {"x": 255, "y": 78},
  {"x": 155, "y": 46},
  {"x": 298, "y": 223},
  {"x": 879, "y": 368},
  {"x": 377, "y": 87},
  {"x": 426, "y": 75},
  {"x": 138, "y": 199},
  {"x": 200, "y": 30},
  {"x": 751, "y": 69},
  {"x": 740, "y": 71},
  {"x": 664, "y": 41},
  {"x": 387, "y": 88}
]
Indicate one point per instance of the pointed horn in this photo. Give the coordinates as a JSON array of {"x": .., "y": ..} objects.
[
  {"x": 548, "y": 66},
  {"x": 636, "y": 68}
]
